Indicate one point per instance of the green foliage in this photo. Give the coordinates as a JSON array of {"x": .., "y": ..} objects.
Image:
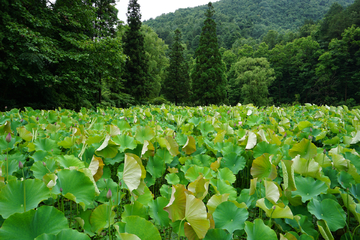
[
  {"x": 177, "y": 83},
  {"x": 137, "y": 78},
  {"x": 208, "y": 75},
  {"x": 241, "y": 18},
  {"x": 250, "y": 82}
]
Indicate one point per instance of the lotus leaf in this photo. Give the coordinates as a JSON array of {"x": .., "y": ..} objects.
[
  {"x": 147, "y": 231},
  {"x": 258, "y": 230},
  {"x": 228, "y": 216}
]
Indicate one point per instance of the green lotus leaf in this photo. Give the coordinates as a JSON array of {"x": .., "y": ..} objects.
[
  {"x": 125, "y": 142},
  {"x": 251, "y": 141},
  {"x": 84, "y": 219},
  {"x": 12, "y": 196},
  {"x": 354, "y": 159},
  {"x": 340, "y": 163},
  {"x": 128, "y": 236},
  {"x": 76, "y": 186},
  {"x": 302, "y": 224},
  {"x": 144, "y": 197},
  {"x": 99, "y": 218},
  {"x": 221, "y": 187},
  {"x": 264, "y": 147},
  {"x": 193, "y": 173},
  {"x": 216, "y": 234},
  {"x": 245, "y": 197},
  {"x": 122, "y": 125},
  {"x": 13, "y": 162},
  {"x": 308, "y": 188},
  {"x": 94, "y": 139},
  {"x": 206, "y": 128},
  {"x": 67, "y": 161},
  {"x": 351, "y": 205},
  {"x": 196, "y": 215},
  {"x": 229, "y": 148},
  {"x": 156, "y": 165},
  {"x": 356, "y": 139},
  {"x": 67, "y": 142},
  {"x": 228, "y": 216},
  {"x": 258, "y": 230},
  {"x": 215, "y": 200},
  {"x": 262, "y": 168},
  {"x": 157, "y": 212},
  {"x": 345, "y": 180},
  {"x": 108, "y": 149},
  {"x": 144, "y": 133},
  {"x": 135, "y": 209},
  {"x": 64, "y": 234},
  {"x": 324, "y": 230},
  {"x": 254, "y": 120},
  {"x": 190, "y": 145},
  {"x": 147, "y": 231},
  {"x": 334, "y": 218},
  {"x": 39, "y": 170},
  {"x": 355, "y": 191},
  {"x": 234, "y": 162},
  {"x": 288, "y": 175},
  {"x": 202, "y": 160},
  {"x": 132, "y": 172},
  {"x": 147, "y": 150},
  {"x": 25, "y": 134},
  {"x": 226, "y": 175},
  {"x": 47, "y": 145},
  {"x": 31, "y": 224},
  {"x": 39, "y": 155},
  {"x": 219, "y": 136},
  {"x": 172, "y": 178},
  {"x": 306, "y": 149},
  {"x": 176, "y": 206},
  {"x": 303, "y": 124},
  {"x": 275, "y": 211},
  {"x": 195, "y": 121}
]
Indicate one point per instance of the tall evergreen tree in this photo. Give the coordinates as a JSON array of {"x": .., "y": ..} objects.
[
  {"x": 137, "y": 77},
  {"x": 208, "y": 75},
  {"x": 177, "y": 83}
]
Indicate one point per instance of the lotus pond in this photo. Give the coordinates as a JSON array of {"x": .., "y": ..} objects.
[{"x": 166, "y": 172}]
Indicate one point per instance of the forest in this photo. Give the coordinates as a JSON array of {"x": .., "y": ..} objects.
[{"x": 74, "y": 54}]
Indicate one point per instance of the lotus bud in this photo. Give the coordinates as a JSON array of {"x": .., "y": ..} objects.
[
  {"x": 8, "y": 138},
  {"x": 120, "y": 184},
  {"x": 37, "y": 118},
  {"x": 310, "y": 137},
  {"x": 274, "y": 207},
  {"x": 44, "y": 164},
  {"x": 324, "y": 151},
  {"x": 109, "y": 194},
  {"x": 285, "y": 135},
  {"x": 311, "y": 129},
  {"x": 55, "y": 123},
  {"x": 21, "y": 120},
  {"x": 240, "y": 123},
  {"x": 228, "y": 112},
  {"x": 103, "y": 114},
  {"x": 61, "y": 189},
  {"x": 5, "y": 107},
  {"x": 21, "y": 166}
]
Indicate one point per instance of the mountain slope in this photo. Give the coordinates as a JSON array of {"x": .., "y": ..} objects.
[{"x": 241, "y": 18}]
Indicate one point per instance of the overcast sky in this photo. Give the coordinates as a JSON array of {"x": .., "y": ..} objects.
[{"x": 153, "y": 8}]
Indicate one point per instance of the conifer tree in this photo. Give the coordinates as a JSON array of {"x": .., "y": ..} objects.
[
  {"x": 177, "y": 83},
  {"x": 137, "y": 77},
  {"x": 208, "y": 75}
]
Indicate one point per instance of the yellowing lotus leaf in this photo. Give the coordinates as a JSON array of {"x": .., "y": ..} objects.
[
  {"x": 199, "y": 187},
  {"x": 96, "y": 167},
  {"x": 288, "y": 175},
  {"x": 272, "y": 192},
  {"x": 172, "y": 146},
  {"x": 251, "y": 142},
  {"x": 262, "y": 168},
  {"x": 176, "y": 206},
  {"x": 276, "y": 211},
  {"x": 190, "y": 145},
  {"x": 196, "y": 215},
  {"x": 215, "y": 200},
  {"x": 132, "y": 172}
]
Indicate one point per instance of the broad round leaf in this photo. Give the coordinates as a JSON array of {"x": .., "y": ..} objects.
[
  {"x": 196, "y": 215},
  {"x": 234, "y": 162},
  {"x": 264, "y": 147},
  {"x": 125, "y": 142},
  {"x": 308, "y": 188},
  {"x": 67, "y": 161},
  {"x": 99, "y": 218},
  {"x": 33, "y": 223},
  {"x": 135, "y": 209},
  {"x": 190, "y": 145},
  {"x": 228, "y": 216},
  {"x": 217, "y": 234},
  {"x": 157, "y": 212},
  {"x": 12, "y": 196},
  {"x": 262, "y": 168},
  {"x": 64, "y": 234},
  {"x": 251, "y": 142},
  {"x": 258, "y": 230},
  {"x": 176, "y": 206},
  {"x": 142, "y": 228},
  {"x": 328, "y": 210},
  {"x": 132, "y": 172},
  {"x": 144, "y": 133},
  {"x": 306, "y": 149},
  {"x": 76, "y": 186}
]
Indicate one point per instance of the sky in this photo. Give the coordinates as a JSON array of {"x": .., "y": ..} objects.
[{"x": 154, "y": 8}]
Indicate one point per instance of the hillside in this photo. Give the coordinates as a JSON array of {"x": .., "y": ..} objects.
[{"x": 241, "y": 18}]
